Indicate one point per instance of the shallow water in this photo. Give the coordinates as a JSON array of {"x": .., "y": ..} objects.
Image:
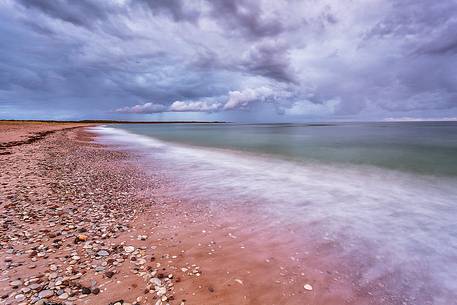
[
  {"x": 387, "y": 193},
  {"x": 423, "y": 147}
]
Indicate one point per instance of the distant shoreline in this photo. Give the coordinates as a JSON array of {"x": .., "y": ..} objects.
[{"x": 113, "y": 122}]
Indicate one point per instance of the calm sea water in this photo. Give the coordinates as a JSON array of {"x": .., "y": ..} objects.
[
  {"x": 424, "y": 147},
  {"x": 386, "y": 191}
]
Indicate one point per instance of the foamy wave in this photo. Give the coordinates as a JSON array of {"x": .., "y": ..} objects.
[
  {"x": 124, "y": 137},
  {"x": 406, "y": 221}
]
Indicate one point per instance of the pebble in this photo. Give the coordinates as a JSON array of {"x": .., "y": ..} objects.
[
  {"x": 45, "y": 294},
  {"x": 102, "y": 253},
  {"x": 129, "y": 249},
  {"x": 85, "y": 290},
  {"x": 63, "y": 296},
  {"x": 16, "y": 283},
  {"x": 308, "y": 287},
  {"x": 82, "y": 237}
]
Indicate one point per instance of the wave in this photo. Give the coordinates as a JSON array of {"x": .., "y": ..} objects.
[{"x": 406, "y": 221}]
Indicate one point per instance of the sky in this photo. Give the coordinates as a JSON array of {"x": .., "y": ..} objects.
[{"x": 239, "y": 60}]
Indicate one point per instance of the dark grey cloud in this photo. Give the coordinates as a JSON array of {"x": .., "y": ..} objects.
[
  {"x": 174, "y": 8},
  {"x": 269, "y": 59},
  {"x": 246, "y": 16},
  {"x": 81, "y": 12},
  {"x": 226, "y": 58}
]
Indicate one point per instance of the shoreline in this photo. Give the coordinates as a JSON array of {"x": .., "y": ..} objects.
[{"x": 84, "y": 223}]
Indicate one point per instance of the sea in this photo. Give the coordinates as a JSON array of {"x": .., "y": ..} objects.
[{"x": 387, "y": 191}]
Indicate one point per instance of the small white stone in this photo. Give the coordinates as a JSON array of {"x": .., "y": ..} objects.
[
  {"x": 129, "y": 249},
  {"x": 308, "y": 287}
]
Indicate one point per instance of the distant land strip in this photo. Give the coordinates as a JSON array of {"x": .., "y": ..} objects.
[{"x": 113, "y": 122}]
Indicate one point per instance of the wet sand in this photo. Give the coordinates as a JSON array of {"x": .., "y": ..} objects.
[{"x": 82, "y": 223}]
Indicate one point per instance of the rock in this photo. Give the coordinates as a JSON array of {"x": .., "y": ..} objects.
[
  {"x": 53, "y": 275},
  {"x": 96, "y": 291},
  {"x": 155, "y": 281},
  {"x": 85, "y": 290},
  {"x": 102, "y": 253},
  {"x": 82, "y": 237},
  {"x": 129, "y": 249},
  {"x": 63, "y": 296},
  {"x": 16, "y": 283},
  {"x": 25, "y": 290},
  {"x": 45, "y": 294},
  {"x": 19, "y": 297},
  {"x": 308, "y": 287},
  {"x": 109, "y": 274},
  {"x": 160, "y": 291}
]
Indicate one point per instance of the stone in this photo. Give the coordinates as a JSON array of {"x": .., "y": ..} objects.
[
  {"x": 308, "y": 287},
  {"x": 82, "y": 237},
  {"x": 109, "y": 274},
  {"x": 85, "y": 290},
  {"x": 129, "y": 249},
  {"x": 102, "y": 253},
  {"x": 16, "y": 283},
  {"x": 53, "y": 275},
  {"x": 155, "y": 281},
  {"x": 63, "y": 296},
  {"x": 45, "y": 294},
  {"x": 25, "y": 290}
]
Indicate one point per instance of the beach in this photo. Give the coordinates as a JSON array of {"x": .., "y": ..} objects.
[
  {"x": 82, "y": 224},
  {"x": 88, "y": 219}
]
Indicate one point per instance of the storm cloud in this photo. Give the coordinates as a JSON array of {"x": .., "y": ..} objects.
[{"x": 253, "y": 60}]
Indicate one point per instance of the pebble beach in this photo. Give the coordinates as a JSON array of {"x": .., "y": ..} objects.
[{"x": 81, "y": 223}]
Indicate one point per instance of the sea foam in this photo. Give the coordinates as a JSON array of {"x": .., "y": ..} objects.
[{"x": 405, "y": 222}]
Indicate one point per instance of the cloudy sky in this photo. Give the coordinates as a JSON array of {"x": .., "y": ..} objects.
[{"x": 239, "y": 60}]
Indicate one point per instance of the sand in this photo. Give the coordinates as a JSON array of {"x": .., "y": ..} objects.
[{"x": 82, "y": 223}]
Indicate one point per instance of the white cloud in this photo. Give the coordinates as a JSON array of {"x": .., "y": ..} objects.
[
  {"x": 142, "y": 108},
  {"x": 194, "y": 106},
  {"x": 241, "y": 99}
]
